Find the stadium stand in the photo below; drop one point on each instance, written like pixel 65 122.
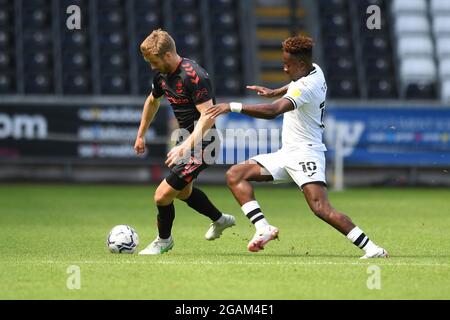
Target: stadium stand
pixel 415 49
pixel 40 55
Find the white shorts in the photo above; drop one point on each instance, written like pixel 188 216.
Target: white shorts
pixel 302 167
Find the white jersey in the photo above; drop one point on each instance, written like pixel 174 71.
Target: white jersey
pixel 303 126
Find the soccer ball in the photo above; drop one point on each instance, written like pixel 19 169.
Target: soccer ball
pixel 122 239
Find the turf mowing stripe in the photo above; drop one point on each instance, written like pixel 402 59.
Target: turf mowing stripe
pixel 241 263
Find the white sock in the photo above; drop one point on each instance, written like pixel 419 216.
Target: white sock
pixel 359 239
pixel 164 240
pixel 221 219
pixel 252 211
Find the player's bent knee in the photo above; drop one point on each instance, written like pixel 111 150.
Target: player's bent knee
pixel 234 175
pixel 162 199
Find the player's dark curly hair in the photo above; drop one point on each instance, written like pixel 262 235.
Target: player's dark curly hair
pixel 299 46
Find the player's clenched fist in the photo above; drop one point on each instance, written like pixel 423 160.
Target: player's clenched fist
pixel 139 146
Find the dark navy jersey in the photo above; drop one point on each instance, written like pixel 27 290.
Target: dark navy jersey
pixel 188 86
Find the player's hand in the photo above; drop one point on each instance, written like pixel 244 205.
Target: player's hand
pixel 139 146
pixel 174 156
pixel 263 91
pixel 216 110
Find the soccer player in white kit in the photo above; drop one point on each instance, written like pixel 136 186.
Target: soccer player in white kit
pixel 301 158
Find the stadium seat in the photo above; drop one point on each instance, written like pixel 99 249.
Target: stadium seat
pixel 421 90
pixel 188 41
pixel 219 5
pixel 445 91
pixel 378 65
pixel 408 6
pixel 415 46
pixel 148 20
pixel 114 61
pixel 438 7
pixel 5 16
pixel 187 21
pixel 417 69
pixel 112 40
pixel 36 18
pixel 341 65
pixel 227 64
pixel 7 83
pixel 6 59
pixel 112 19
pixel 186 4
pixel 77 83
pixel 38 60
pixel 443 47
pixel 147 4
pixel 444 69
pixel 230 85
pixel 5 39
pixel 226 42
pixel 335 23
pixel 382 88
pixel 114 84
pixel 411 23
pixel 75 60
pixel 225 21
pixel 39 83
pixel 341 44
pixel 364 4
pixel 441 25
pixel 38 38
pixel 376 45
pixel 75 40
pixel 332 6
pixel 343 87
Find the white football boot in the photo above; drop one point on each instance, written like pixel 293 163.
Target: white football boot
pixel 377 252
pixel 261 237
pixel 216 228
pixel 158 246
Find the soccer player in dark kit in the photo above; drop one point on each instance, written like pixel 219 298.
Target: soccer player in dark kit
pixel 188 89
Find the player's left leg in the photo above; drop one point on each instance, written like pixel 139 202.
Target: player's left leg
pixel 317 199
pixel 263 168
pixel 163 198
pixel 199 201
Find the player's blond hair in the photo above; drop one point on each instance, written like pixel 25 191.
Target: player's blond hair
pixel 158 43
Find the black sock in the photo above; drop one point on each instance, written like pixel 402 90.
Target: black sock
pixel 200 202
pixel 166 215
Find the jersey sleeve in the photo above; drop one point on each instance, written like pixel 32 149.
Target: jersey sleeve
pixel 298 94
pixel 157 90
pixel 199 87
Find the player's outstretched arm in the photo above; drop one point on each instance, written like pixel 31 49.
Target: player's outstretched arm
pixel 151 106
pixel 269 93
pixel 261 111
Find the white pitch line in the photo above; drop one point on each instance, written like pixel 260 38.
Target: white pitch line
pixel 262 263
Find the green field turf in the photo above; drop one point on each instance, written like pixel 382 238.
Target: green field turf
pixel 45 229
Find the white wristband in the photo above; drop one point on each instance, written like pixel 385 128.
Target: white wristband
pixel 236 107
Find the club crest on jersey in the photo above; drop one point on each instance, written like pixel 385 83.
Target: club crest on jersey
pixel 295 92
pixel 179 86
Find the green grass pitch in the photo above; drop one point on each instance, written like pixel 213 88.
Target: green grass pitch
pixel 45 229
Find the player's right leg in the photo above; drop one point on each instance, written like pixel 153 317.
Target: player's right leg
pixel 163 198
pixel 238 180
